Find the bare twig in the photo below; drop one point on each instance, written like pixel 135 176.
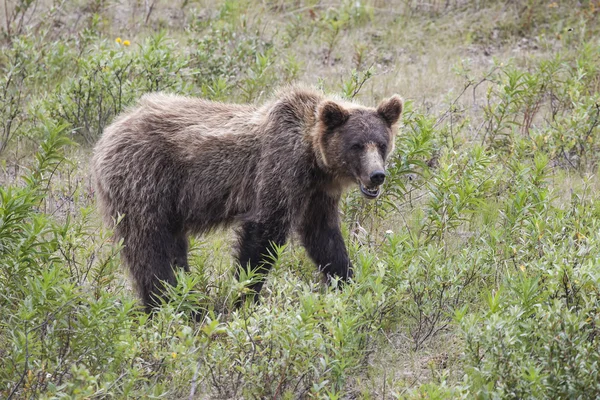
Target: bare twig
pixel 7 20
pixel 196 374
pixel 451 106
pixel 149 9
pixel 27 332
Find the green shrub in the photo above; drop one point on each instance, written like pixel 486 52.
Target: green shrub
pixel 110 76
pixel 475 271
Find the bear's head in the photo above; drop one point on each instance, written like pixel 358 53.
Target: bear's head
pixel 353 142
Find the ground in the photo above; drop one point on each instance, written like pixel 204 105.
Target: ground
pixel 476 270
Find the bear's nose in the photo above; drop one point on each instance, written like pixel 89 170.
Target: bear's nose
pixel 377 177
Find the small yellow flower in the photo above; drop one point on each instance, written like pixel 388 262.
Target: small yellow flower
pixel 126 43
pixel 522 267
pixel 553 5
pixel 174 355
pixel 118 40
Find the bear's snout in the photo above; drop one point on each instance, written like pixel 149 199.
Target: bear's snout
pixel 377 177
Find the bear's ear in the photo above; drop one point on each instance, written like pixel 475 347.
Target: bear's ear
pixel 332 114
pixel 391 109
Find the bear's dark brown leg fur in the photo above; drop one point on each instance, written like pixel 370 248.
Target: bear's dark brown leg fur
pixel 180 252
pixel 321 236
pixel 151 265
pixel 256 250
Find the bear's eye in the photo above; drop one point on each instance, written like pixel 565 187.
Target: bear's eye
pixel 383 147
pixel 356 146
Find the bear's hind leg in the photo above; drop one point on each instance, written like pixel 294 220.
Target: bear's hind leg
pixel 180 252
pixel 256 251
pixel 149 257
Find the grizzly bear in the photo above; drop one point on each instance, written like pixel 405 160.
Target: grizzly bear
pixel 178 166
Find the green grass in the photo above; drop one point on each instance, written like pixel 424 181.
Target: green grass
pixel 476 271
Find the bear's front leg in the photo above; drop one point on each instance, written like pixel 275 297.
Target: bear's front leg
pixel 257 250
pixel 321 236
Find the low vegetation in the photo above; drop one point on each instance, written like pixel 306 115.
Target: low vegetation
pixel 477 271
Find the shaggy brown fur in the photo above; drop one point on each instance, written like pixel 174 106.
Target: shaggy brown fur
pixel 176 166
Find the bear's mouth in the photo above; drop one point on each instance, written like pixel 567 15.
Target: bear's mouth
pixel 370 192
